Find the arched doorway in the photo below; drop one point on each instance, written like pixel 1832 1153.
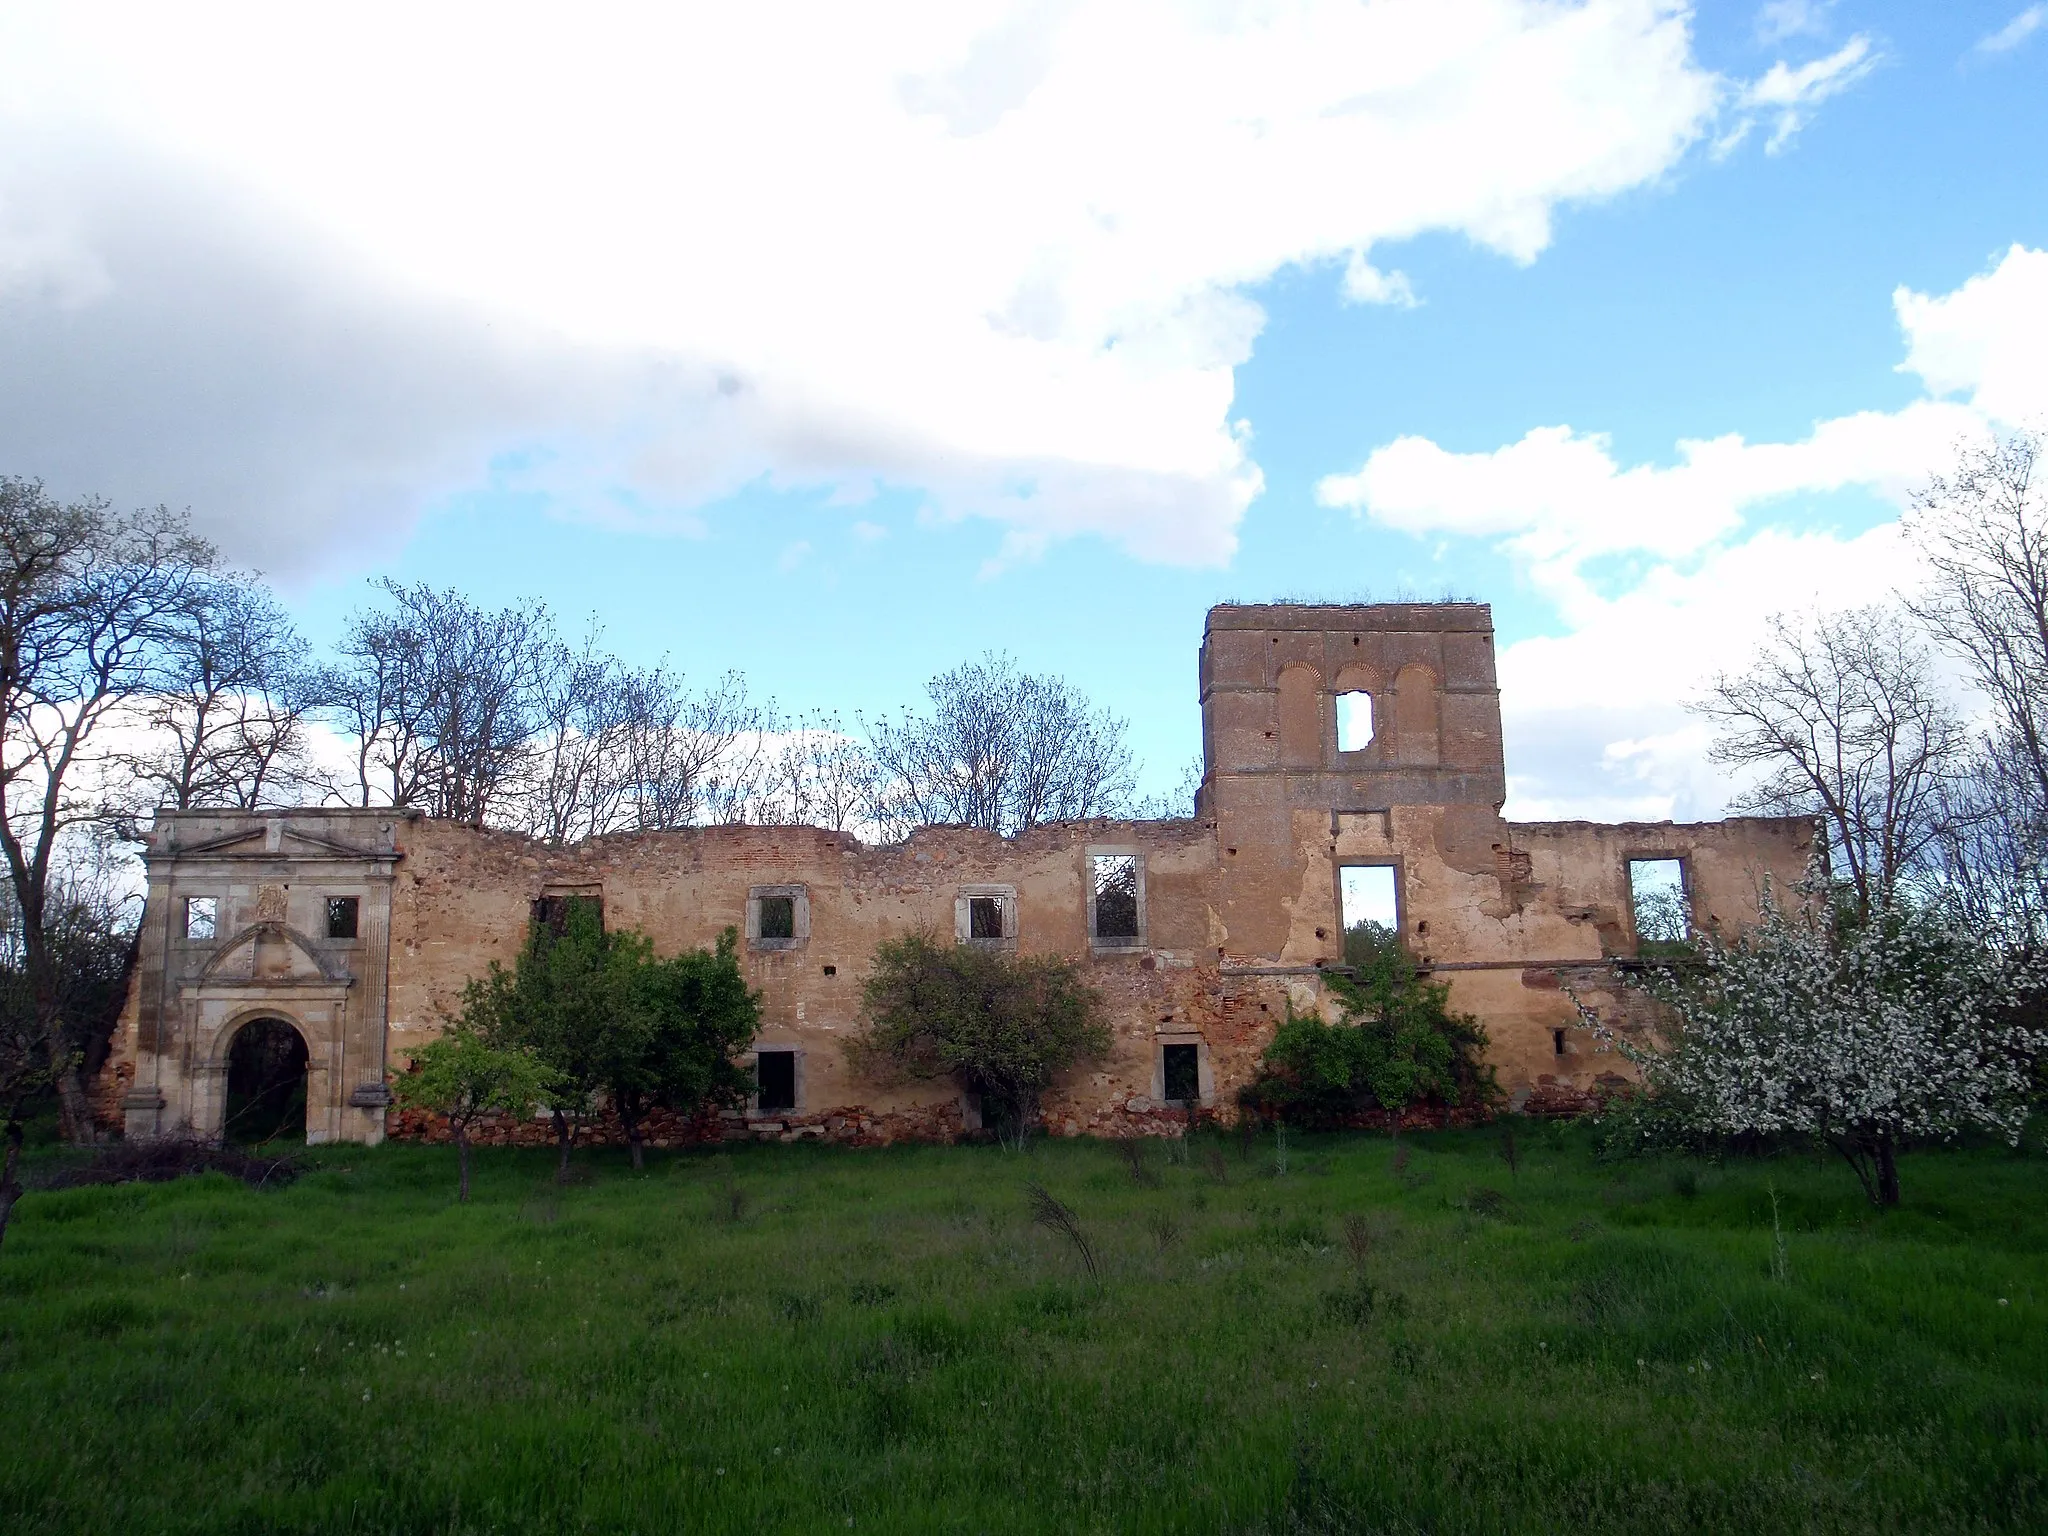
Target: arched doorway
pixel 266 1097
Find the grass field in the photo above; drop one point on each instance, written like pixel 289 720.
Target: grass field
pixel 805 1338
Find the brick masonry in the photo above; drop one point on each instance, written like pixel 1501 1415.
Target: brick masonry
pixel 1240 906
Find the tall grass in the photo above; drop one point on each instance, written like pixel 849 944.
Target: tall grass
pixel 795 1337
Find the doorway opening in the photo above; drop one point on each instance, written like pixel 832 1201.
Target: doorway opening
pixel 266 1084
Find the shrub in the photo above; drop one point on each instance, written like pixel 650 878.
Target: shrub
pixel 1396 1045
pixel 1003 1026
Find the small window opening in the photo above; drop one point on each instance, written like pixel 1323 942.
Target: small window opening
pixel 342 916
pixel 778 917
pixel 775 1074
pixel 1371 912
pixel 1183 1074
pixel 1557 1042
pixel 1354 721
pixel 831 970
pixel 201 916
pixel 1116 897
pixel 984 917
pixel 1662 910
pixel 552 912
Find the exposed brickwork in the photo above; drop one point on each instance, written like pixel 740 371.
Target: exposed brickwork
pixel 1241 905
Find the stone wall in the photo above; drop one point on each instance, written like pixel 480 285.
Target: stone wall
pixel 1241 904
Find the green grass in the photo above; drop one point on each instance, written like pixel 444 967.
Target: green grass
pixel 799 1338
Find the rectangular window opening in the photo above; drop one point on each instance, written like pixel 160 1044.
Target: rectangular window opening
pixel 1183 1074
pixel 201 916
pixel 1661 906
pixel 775 1076
pixel 1557 1042
pixel 778 917
pixel 1354 721
pixel 342 917
pixel 985 917
pixel 1115 877
pixel 1371 912
pixel 552 912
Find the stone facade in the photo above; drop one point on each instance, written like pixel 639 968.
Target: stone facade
pixel 1237 908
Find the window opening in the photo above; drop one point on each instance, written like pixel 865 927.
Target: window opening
pixel 552 912
pixel 778 917
pixel 1354 721
pixel 775 1077
pixel 1557 1041
pixel 1663 913
pixel 1183 1074
pixel 985 917
pixel 1370 908
pixel 201 914
pixel 1116 897
pixel 341 917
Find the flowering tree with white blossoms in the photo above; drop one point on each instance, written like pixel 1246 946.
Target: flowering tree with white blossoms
pixel 1861 1034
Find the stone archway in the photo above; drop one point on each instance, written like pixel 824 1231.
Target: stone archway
pixel 266 1082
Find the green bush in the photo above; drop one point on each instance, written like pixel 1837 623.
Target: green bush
pixel 1397 1045
pixel 1001 1025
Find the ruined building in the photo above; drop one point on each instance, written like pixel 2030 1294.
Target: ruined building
pixel 1350 753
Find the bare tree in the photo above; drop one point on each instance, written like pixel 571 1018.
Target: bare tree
pixel 1843 716
pixel 88 939
pixel 826 778
pixel 226 722
pixel 88 597
pixel 1000 749
pixel 443 698
pixel 1983 534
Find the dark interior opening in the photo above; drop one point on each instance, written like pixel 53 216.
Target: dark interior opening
pixel 266 1084
pixel 775 1071
pixel 984 917
pixel 1116 897
pixel 341 917
pixel 778 917
pixel 1557 1041
pixel 552 912
pixel 1183 1074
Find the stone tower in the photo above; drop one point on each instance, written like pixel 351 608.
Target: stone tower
pixel 1279 782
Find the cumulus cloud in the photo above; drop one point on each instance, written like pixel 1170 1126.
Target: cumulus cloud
pixel 309 270
pixel 1594 717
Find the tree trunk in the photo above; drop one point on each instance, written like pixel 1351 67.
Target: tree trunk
pixel 462 1157
pixel 633 1140
pixel 562 1142
pixel 10 1187
pixel 1887 1172
pixel 74 1104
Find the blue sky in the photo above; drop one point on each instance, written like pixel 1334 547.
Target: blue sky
pixel 1734 272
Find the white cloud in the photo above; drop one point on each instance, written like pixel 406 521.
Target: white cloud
pixel 1780 19
pixel 1987 340
pixel 309 270
pixel 1593 713
pixel 1786 96
pixel 2016 31
pixel 1365 283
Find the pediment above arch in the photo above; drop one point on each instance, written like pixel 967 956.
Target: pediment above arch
pixel 270 952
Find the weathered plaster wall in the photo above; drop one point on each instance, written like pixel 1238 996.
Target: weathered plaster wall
pixel 1241 902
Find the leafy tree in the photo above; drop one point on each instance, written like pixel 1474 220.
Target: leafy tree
pixel 463 1075
pixel 1860 1033
pixel 670 1040
pixel 1001 1025
pixel 1397 1044
pixel 610 1019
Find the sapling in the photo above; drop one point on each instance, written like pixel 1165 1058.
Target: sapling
pixel 463 1076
